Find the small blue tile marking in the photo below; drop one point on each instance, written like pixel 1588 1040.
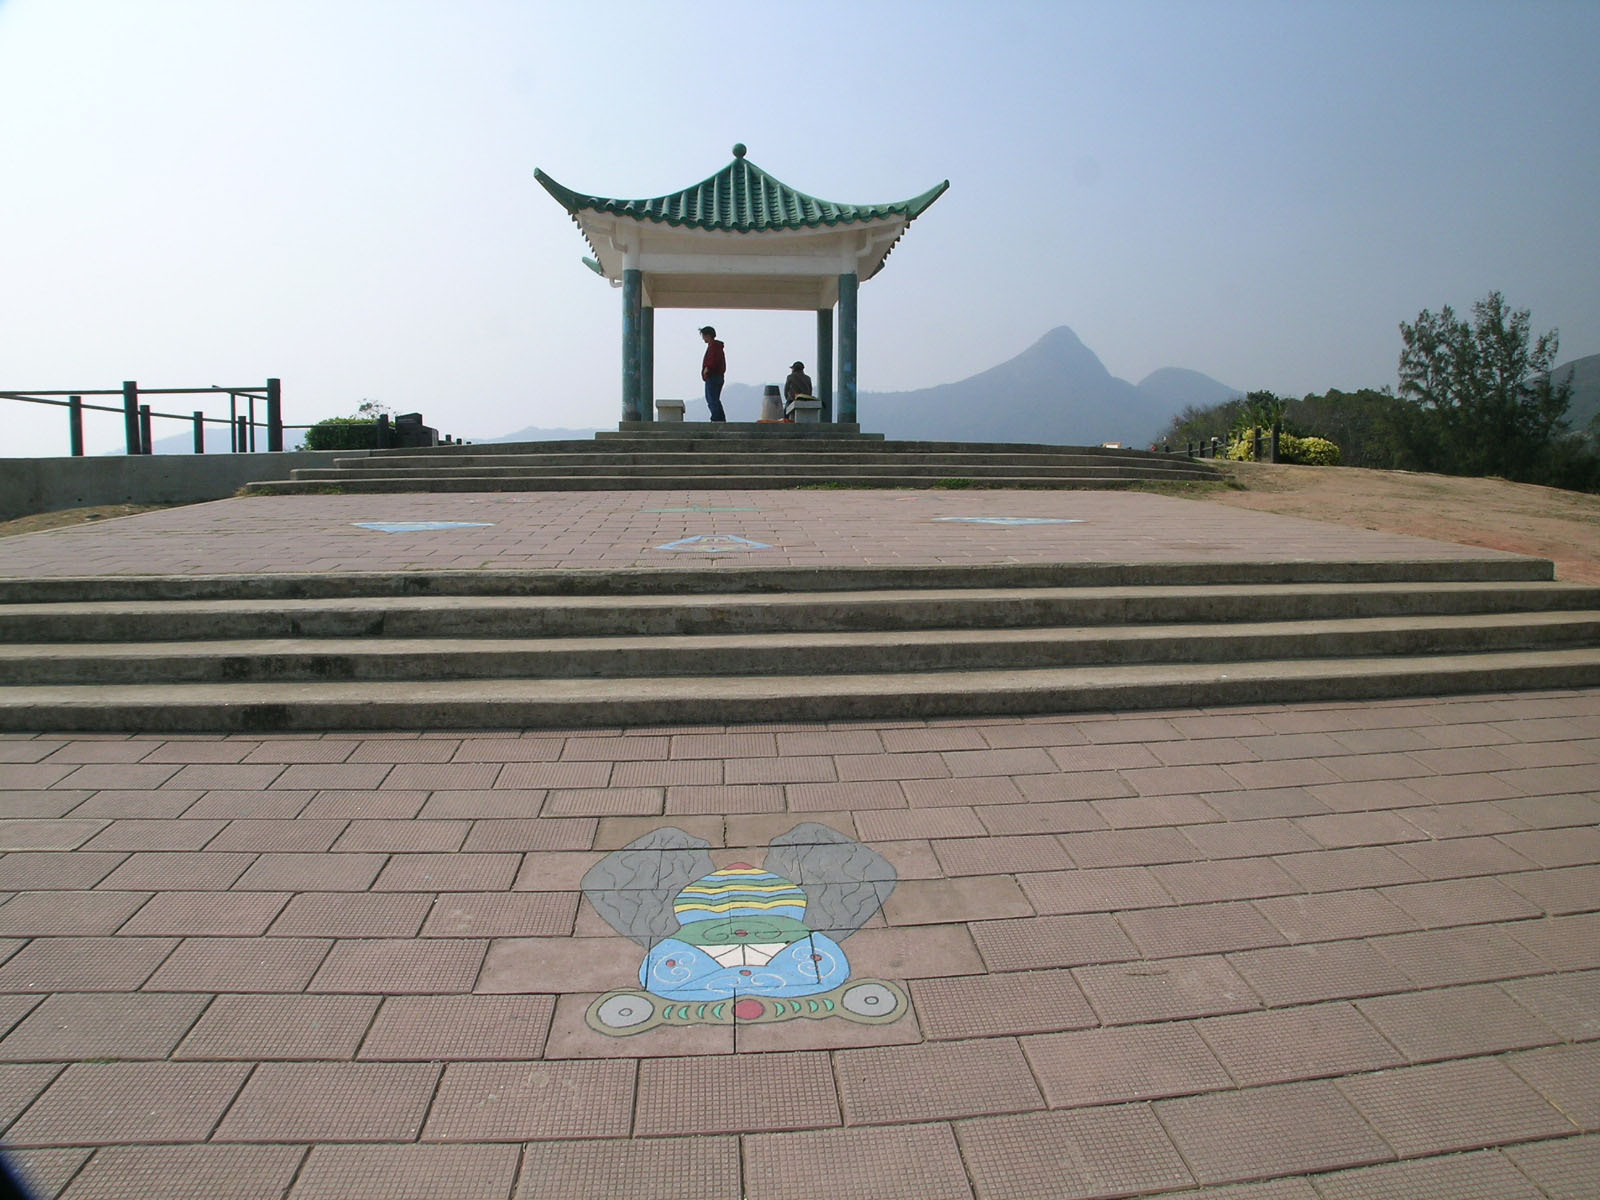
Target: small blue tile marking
pixel 714 543
pixel 1015 520
pixel 418 526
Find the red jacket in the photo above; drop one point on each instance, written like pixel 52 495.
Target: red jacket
pixel 715 362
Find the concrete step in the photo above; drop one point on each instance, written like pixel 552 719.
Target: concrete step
pixel 734 613
pixel 679 459
pixel 777 474
pixel 795 654
pixel 521 703
pixel 721 576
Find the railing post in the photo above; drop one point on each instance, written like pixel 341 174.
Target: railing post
pixel 252 425
pixel 1277 431
pixel 383 431
pixel 145 445
pixel 233 423
pixel 75 425
pixel 199 432
pixel 1255 442
pixel 274 416
pixel 240 435
pixel 130 414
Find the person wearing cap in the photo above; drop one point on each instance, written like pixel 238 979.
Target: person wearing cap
pixel 798 384
pixel 713 369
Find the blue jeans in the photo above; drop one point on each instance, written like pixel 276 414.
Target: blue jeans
pixel 714 398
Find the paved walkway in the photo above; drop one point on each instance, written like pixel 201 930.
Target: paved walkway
pixel 1293 952
pixel 542 530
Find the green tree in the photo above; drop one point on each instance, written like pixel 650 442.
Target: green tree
pixel 1481 391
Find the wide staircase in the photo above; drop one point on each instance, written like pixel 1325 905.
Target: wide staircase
pixel 491 649
pixel 678 455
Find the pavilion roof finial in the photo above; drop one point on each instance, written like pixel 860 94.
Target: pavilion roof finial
pixel 738 150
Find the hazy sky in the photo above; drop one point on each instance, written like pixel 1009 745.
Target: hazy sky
pixel 341 192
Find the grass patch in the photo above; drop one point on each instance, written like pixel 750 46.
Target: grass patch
pixel 954 483
pixel 67 517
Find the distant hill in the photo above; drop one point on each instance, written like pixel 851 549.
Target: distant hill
pixel 1585 376
pixel 1056 391
pixel 534 434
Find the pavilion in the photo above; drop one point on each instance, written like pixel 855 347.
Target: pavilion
pixel 740 239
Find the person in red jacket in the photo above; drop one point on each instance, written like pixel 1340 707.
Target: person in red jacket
pixel 713 369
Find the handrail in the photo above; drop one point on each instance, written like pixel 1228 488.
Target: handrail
pixel 137 417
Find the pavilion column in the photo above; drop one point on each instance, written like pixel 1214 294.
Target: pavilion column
pixel 632 322
pixel 847 348
pixel 647 364
pixel 825 362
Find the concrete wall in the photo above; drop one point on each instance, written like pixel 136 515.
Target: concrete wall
pixel 35 485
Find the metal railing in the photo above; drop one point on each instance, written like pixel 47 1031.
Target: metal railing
pixel 136 417
pixel 1264 444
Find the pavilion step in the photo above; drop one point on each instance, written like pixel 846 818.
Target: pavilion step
pixel 80 618
pixel 776 473
pixel 793 654
pixel 678 460
pixel 520 703
pixel 633 482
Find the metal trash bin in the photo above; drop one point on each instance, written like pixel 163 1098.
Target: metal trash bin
pixel 772 403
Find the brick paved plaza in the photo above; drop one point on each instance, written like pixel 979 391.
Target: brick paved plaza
pixel 1332 951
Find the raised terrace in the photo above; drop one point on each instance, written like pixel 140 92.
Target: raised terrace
pixel 725 841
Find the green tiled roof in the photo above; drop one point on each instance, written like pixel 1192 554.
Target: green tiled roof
pixel 741 198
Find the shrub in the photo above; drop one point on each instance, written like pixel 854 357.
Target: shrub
pixel 1312 451
pixel 343 433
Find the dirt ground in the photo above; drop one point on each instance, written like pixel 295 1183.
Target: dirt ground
pixel 72 516
pixel 1561 526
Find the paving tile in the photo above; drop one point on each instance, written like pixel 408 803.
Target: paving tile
pixel 1455 1022
pixel 425 1172
pixel 96 776
pixel 508 749
pixel 1452 1106
pixel 1472 954
pixel 897 1084
pixel 1306 1042
pixel 724 798
pixel 849 797
pixel 30 870
pixel 238 964
pixel 316 776
pixel 540 834
pixel 1553 812
pixel 432 1028
pixel 1458 1177
pixel 1330 916
pixel 183 834
pixel 1564 943
pixel 978 1006
pixel 448 873
pixel 331 1101
pixel 83 964
pixel 1460 902
pixel 1564 1075
pixel 187 1173
pixel 402 837
pixel 1563 1170
pixel 441 750
pixel 1560 889
pixel 1248 838
pixel 1556 847
pixel 856 767
pixel 881 825
pixel 1070 1155
pixel 99 1103
pixel 1111 1066
pixel 1230 879
pixel 755 1093
pixel 251 805
pixel 519 1101
pixel 913 951
pixel 502 914
pixel 813 769
pixel 1046 816
pixel 165 804
pixel 13 1009
pixel 353 914
pixel 554 870
pixel 985 855
pixel 1198 929
pixel 1340 830
pixel 1128 847
pixel 289 872
pixel 1128 993
pixel 1296 1127
pixel 1356 867
pixel 230 776
pixel 1136 812
pixel 1080 785
pixel 1267 804
pixel 301 750
pixel 401 967
pixel 20 1083
pixel 178 869
pixel 919 1162
pixel 44 834
pixel 558 964
pixel 255 1028
pixel 356 804
pixel 525 775
pixel 688 772
pixel 939 901
pixel 1088 891
pixel 702 1168
pixel 1057 941
pixel 604 802
pixel 101 1026
pixel 571 1038
pixel 1568 1004
pixel 47 1172
pixel 612 833
pixel 206 914
pixel 507 803
pixel 80 914
pixel 1319 971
